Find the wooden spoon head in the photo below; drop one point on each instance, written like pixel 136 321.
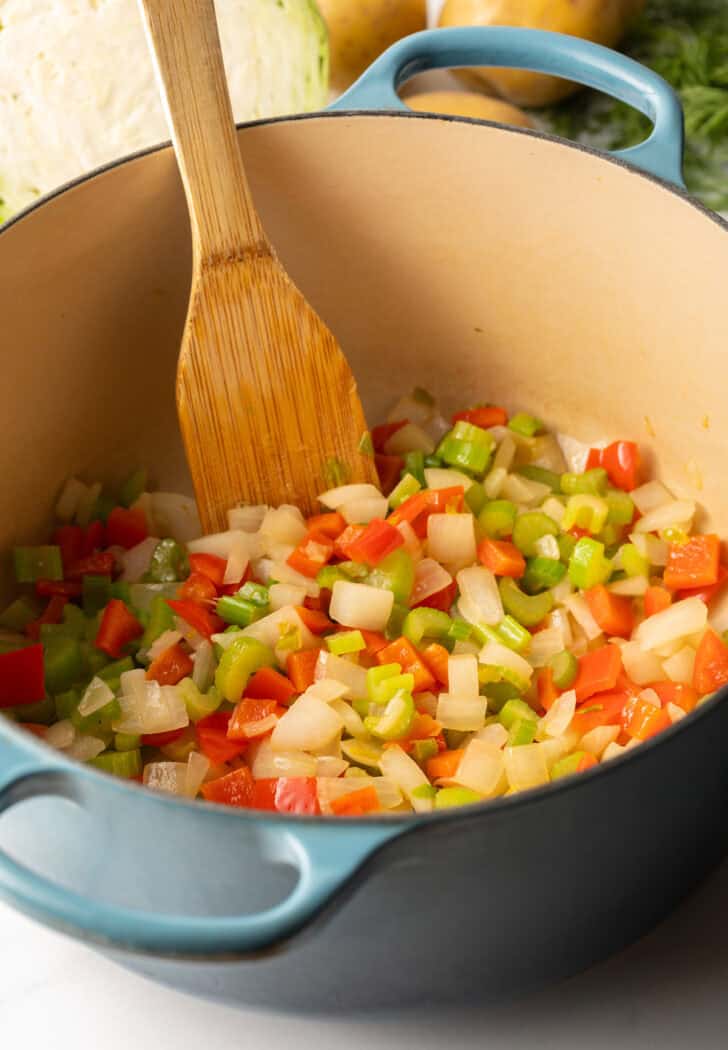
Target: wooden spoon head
pixel 267 402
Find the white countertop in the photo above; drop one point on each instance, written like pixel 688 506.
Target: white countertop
pixel 669 992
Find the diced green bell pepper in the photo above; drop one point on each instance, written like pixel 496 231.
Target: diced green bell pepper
pixel 66 703
pixel 42 713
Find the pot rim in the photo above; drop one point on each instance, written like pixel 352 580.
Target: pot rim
pixel 407 822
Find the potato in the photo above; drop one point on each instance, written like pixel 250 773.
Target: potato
pixel 603 21
pixel 469 104
pixel 359 30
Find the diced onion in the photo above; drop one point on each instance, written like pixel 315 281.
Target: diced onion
pixel 328 689
pixel 249 519
pixel 97 695
pixel 307 725
pixel 631 587
pixel 329 766
pixel 678 621
pixel 679 668
pixel 193 638
pixel 650 547
pixel 558 718
pixel 575 452
pixel 613 750
pixel 418 405
pixel 641 665
pixel 545 451
pixel 597 740
pixel 544 645
pixel 482 769
pixel 494 482
pixel 650 496
pixel 579 609
pixel 462 676
pixel 172 514
pixel 465 715
pixel 677 514
pixel 344 673
pixel 165 641
pixel 359 605
pixel 427 703
pixel 284 524
pixel 237 561
pixel 409 438
pixel 362 511
pixel 525 766
pixel 135 561
pixel 554 509
pixel 524 491
pixel 267 762
pixel 168 777
pixel 649 696
pixel 411 541
pixel 451 539
pixel 563 590
pixel 283 573
pixel 61 734
pixel 147 707
pixel 195 773
pixel 407 775
pixel 352 721
pixel 71 495
pixel 495 735
pixel 444 478
pixel 331 788
pixel 480 600
pixel 547 547
pixel 87 502
pixel 675 712
pixel 335 498
pixel 85 748
pixel 493 654
pixel 282 594
pixel 221 544
pixel 554 750
pixel 559 619
pixel 268 629
pixel 430 577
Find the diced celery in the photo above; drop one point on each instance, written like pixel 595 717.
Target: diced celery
pixel 42 713
pixel 37 563
pixel 168 562
pixel 587 512
pixel 425 623
pixel 393 628
pixel 564 667
pixel 433 461
pixel 568 765
pixel 414 464
pixel 235 610
pixel 20 613
pixel 405 488
pixel 198 704
pixel 126 764
pixel 515 711
pixel 424 790
pixel 345 642
pixel 133 487
pixel 112 672
pixel 63 663
pixel 593 482
pixel 633 563
pixel 540 474
pixel 362 752
pixel 566 544
pixel 529 528
pixel 66 703
pixel 510 632
pixel 256 593
pixel 467 447
pixel 476 498
pixel 459 631
pixel 497 518
pixel 366 446
pixel 542 574
pixel 527 426
pixel 587 565
pixel 449 797
pixel 241 658
pixel 424 749
pixel 522 732
pixel 528 610
pixel 161 619
pixel 397 717
pixel 395 573
pixel 99 722
pixel 499 693
pixel 385 680
pixel 621 507
pixel 126 741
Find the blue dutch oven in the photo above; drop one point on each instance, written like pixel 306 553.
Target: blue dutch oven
pixel 477 260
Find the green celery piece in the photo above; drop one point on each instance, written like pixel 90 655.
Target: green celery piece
pixel 459 631
pixel 591 482
pixel 37 563
pixel 386 680
pixel 161 619
pixel 407 486
pixel 42 713
pixel 356 771
pixel 542 574
pixel 587 565
pixel 168 563
pixel 327 577
pixel 522 732
pixel 345 642
pixel 396 573
pixel 467 447
pixel 92 627
pixel 424 749
pixel 527 426
pixel 115 670
pixel 255 593
pixel 566 544
pixel 235 610
pixel 125 764
pixel 428 791
pixel 74 620
pixel 564 668
pixel 395 623
pixel 98 723
pixel 455 738
pixel 531 527
pixel 126 741
pixel 633 562
pixel 588 512
pixel 121 590
pixel 414 464
pixel 102 507
pixel 497 518
pixel 63 663
pixel 499 693
pixel 449 797
pixel 241 658
pixel 528 610
pixel 425 623
pixel 540 474
pixel 568 765
pixel 335 473
pixel 621 507
pixel 476 498
pixel 396 719
pixel 514 711
pixel 510 632
pixel 66 703
pixel 198 704
pixel 133 487
pixel 96 593
pixel 433 461
pixel 363 752
pixel 21 612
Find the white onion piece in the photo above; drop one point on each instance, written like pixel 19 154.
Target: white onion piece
pixel 493 654
pixel 544 645
pixel 362 511
pixel 283 573
pixel 403 771
pixel 482 769
pixel 332 788
pixel 678 621
pixel 558 718
pixel 451 539
pixel 494 735
pixel 172 514
pixel 650 496
pixel 597 740
pixel 679 668
pixel 249 518
pixel 359 605
pixel 97 695
pixel 193 638
pixel 411 541
pixel 493 483
pixel 267 762
pixel 650 697
pixel 677 514
pixel 351 720
pixel 559 620
pixel 613 750
pixel 85 748
pixel 307 725
pixel 675 712
pixel 282 594
pixel 168 777
pixel 641 666
pixel 329 766
pixel 284 524
pixel 506 452
pixel 430 577
pixel 71 495
pixel 631 587
pixel 237 561
pixel 147 707
pixel 418 405
pixel 87 502
pixel 329 689
pixel 465 648
pixel 61 734
pixel 579 609
pixel 464 715
pixel 195 773
pixel 268 629
pixel 446 478
pixel 555 510
pixel 650 547
pixel 575 453
pixel 548 547
pixel 165 641
pixel 563 590
pixel 554 750
pixel 526 767
pixel 462 676
pixel 335 498
pixel 502 463
pixel 409 438
pixel 135 561
pixel 545 452
pixel 522 490
pixel 438 426
pixel 221 543
pixel 347 675
pixel 480 600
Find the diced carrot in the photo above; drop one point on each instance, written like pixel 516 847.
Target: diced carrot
pixel 657 599
pixel 502 557
pixel 693 563
pixel 613 612
pixel 706 594
pixel 444 765
pixel 435 657
pixel 403 652
pixel 642 720
pixel 234 789
pixel 675 693
pixel 598 671
pixel 251 719
pixel 171 666
pixel 381 434
pixel 347 537
pixel 356 803
pixel 483 416
pixel 586 761
pixel 331 524
pixel 312 553
pixel 424 727
pixel 711 664
pixel 300 668
pixel 269 684
pixel 373 639
pixel 547 691
pixel 602 710
pixel 316 621
pixel 389 469
pixel 209 565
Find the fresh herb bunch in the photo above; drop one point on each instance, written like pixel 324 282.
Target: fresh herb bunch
pixel 686 42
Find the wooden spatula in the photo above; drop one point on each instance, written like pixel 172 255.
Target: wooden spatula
pixel 267 404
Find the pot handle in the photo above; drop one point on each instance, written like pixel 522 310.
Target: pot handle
pixel 327 857
pixel 534 49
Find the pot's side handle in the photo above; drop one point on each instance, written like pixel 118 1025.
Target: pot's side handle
pixel 327 856
pixel 542 52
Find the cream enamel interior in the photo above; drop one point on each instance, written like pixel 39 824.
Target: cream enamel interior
pixel 477 261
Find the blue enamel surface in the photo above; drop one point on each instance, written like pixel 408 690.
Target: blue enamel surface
pixel 566 56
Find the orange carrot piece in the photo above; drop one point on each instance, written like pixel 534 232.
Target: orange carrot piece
pixel 711 664
pixel 657 599
pixel 547 691
pixel 613 612
pixel 356 803
pixel 598 671
pixel 435 657
pixel 403 652
pixel 678 693
pixel 642 720
pixel 444 765
pixel 502 557
pixel 694 563
pixel 300 668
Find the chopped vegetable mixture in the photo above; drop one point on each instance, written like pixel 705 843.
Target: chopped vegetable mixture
pixel 509 609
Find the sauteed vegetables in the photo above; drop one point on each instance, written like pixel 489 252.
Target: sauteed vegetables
pixel 508 609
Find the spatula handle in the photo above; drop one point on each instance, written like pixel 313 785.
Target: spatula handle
pixel 185 45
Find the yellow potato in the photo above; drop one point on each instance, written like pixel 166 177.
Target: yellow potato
pixel 469 104
pixel 359 30
pixel 603 21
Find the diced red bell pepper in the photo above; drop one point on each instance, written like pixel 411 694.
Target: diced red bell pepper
pixel 441 599
pixel 605 709
pixel 212 739
pixel 234 789
pixel 389 469
pixel 501 557
pixel 197 616
pixel 70 539
pixel 316 621
pixel 678 693
pixel 209 565
pixel 269 684
pixel 622 462
pixel 22 677
pixel 171 666
pixel 706 594
pixel 483 416
pixel 251 719
pixel 300 668
pixel 598 671
pixel 344 541
pixel 694 563
pixel 66 588
pixel 126 526
pixel 657 599
pixel 94 538
pixel 53 613
pixel 417 509
pixel 403 652
pixel 356 803
pixel 377 541
pixel 198 588
pixel 435 657
pixel 613 612
pixel 331 524
pixel 642 720
pixel 118 627
pixel 382 433
pixel 161 739
pixel 99 564
pixel 711 664
pixel 313 552
pixel 35 728
pixel 546 688
pixel 286 795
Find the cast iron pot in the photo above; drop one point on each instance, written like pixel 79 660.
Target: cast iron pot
pixel 481 262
